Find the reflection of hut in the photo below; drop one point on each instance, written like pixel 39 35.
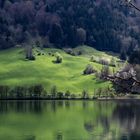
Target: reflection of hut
pixel 89 127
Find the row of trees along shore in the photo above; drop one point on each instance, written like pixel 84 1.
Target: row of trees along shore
pixel 38 92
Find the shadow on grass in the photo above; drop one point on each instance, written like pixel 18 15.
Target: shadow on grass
pixel 55 62
pixel 98 81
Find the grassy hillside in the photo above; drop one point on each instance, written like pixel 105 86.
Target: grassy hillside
pixel 15 70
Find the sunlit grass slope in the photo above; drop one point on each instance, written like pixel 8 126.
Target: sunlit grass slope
pixel 15 70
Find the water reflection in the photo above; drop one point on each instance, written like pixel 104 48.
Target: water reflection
pixel 21 106
pixel 128 116
pixel 59 136
pixel 70 120
pixel 89 126
pixel 30 138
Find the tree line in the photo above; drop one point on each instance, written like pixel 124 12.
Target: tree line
pixel 38 92
pixel 103 24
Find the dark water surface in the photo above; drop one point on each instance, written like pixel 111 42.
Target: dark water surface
pixel 69 120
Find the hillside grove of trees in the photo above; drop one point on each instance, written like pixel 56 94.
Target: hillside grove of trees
pixel 103 24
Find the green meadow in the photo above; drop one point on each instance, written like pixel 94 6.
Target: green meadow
pixel 15 70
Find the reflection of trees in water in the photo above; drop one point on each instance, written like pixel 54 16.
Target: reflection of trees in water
pixel 53 106
pixel 89 126
pixel 56 104
pixel 125 116
pixel 85 104
pixel 128 116
pixel 102 119
pixel 67 104
pixel 60 104
pixel 36 106
pixel 59 136
pixel 105 121
pixel 3 107
pixel 132 136
pixel 32 106
pixel 30 138
pixel 22 106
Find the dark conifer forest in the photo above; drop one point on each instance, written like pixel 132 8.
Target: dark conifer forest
pixel 103 24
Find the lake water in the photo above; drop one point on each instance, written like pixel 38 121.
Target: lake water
pixel 69 120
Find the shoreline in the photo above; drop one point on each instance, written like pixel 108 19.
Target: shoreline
pixel 125 98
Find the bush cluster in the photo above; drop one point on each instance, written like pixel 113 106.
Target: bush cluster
pixel 103 61
pixel 58 57
pixel 89 70
pixel 72 52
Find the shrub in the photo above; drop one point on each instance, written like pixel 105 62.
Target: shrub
pixel 98 92
pixel 39 54
pixel 4 91
pixel 73 96
pixel 105 71
pixel 53 91
pixel 113 62
pixel 67 94
pixel 20 91
pixel 29 53
pixel 89 70
pixel 103 62
pixel 93 59
pixel 79 53
pixel 68 51
pixel 50 53
pixel 36 90
pixel 60 95
pixel 59 58
pixel 97 75
pixel 32 58
pixel 85 94
pixel 73 52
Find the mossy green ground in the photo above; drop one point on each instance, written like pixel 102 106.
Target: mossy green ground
pixel 15 70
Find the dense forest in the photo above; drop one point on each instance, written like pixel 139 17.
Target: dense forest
pixel 103 24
